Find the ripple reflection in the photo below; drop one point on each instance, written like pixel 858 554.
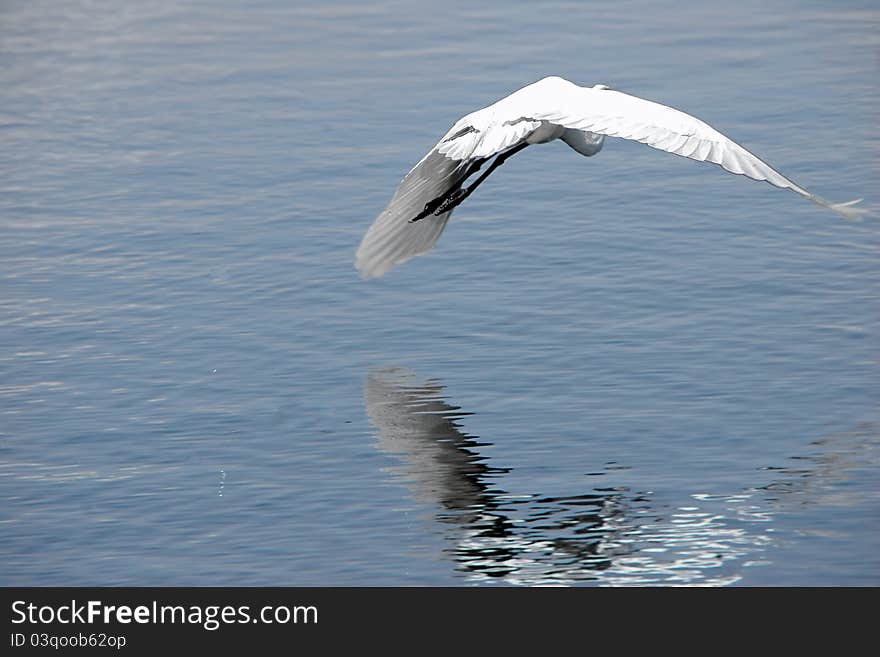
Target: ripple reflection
pixel 610 536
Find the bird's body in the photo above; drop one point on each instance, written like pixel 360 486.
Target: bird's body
pixel 550 109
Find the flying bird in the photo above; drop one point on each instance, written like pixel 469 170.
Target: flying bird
pixel 552 108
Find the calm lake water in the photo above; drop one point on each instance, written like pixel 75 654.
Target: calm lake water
pixel 629 369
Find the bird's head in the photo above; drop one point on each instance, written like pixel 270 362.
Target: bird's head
pixel 601 86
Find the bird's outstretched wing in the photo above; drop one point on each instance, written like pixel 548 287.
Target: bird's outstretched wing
pixel 393 238
pixel 616 114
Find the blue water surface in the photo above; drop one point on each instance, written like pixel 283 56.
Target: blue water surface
pixel 628 369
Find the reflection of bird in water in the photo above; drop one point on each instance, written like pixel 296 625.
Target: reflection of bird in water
pixel 609 535
pixel 420 428
pixel 529 539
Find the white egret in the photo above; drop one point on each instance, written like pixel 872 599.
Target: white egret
pixel 552 108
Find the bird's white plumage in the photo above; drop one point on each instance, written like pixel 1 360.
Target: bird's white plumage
pixel 549 109
pixel 392 239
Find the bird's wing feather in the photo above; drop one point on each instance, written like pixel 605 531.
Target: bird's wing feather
pixel 392 238
pixel 617 114
pixel 493 139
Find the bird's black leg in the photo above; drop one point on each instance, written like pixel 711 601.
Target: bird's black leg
pixel 431 206
pixel 455 197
